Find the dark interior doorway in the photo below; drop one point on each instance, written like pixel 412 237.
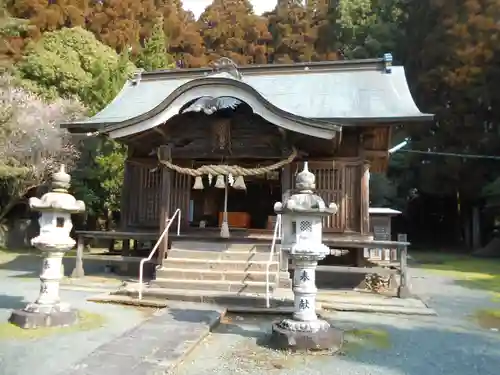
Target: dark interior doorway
pixel 257 201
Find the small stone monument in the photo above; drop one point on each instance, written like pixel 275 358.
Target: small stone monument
pixel 54 240
pixel 302 217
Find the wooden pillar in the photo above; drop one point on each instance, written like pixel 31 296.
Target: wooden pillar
pixel 125 197
pixel 166 189
pixel 78 271
pixel 365 198
pixel 404 287
pixel 286 179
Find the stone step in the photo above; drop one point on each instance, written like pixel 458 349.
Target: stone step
pixel 199 245
pixel 260 248
pixel 203 274
pixel 237 287
pixel 206 296
pixel 221 255
pixel 222 246
pixel 219 265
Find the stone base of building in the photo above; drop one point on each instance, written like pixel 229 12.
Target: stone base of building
pixel 296 335
pixel 32 318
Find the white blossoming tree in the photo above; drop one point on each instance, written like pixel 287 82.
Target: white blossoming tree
pixel 31 143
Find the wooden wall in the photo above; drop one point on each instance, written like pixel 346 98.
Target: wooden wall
pixel 142 205
pixel 338 181
pixel 342 178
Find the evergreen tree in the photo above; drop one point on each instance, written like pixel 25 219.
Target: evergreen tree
pixel 324 18
pixel 69 63
pixel 12 34
pixel 51 15
pixel 154 55
pixel 292 33
pixel 181 31
pixel 452 58
pixel 370 28
pixel 230 28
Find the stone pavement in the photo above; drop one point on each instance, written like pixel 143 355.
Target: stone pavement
pixel 154 347
pixel 128 340
pixel 377 344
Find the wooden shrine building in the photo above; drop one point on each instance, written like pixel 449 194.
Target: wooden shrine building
pixel 255 125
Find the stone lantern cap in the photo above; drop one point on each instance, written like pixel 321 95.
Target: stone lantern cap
pixel 58 199
pixel 306 201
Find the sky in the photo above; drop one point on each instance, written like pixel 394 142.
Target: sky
pixel 198 6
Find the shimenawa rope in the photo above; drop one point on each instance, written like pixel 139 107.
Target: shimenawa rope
pixel 234 170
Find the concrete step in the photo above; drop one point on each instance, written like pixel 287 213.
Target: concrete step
pixel 199 245
pixel 237 287
pixel 260 248
pixel 219 265
pixel 206 296
pixel 221 255
pixel 222 246
pixel 203 274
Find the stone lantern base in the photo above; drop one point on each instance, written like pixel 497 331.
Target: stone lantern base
pixel 38 316
pixel 298 335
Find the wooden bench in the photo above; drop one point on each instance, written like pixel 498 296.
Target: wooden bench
pixel 112 236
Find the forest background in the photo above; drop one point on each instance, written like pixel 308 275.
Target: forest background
pixel 62 59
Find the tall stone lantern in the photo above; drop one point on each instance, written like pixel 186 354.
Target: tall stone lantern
pixel 302 217
pixel 54 240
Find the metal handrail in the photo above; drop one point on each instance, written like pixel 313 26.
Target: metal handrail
pixel 157 245
pixel 276 236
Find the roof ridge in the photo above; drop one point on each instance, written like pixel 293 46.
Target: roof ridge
pixel 361 64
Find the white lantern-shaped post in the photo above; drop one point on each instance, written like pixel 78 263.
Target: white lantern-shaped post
pixel 54 240
pixel 302 216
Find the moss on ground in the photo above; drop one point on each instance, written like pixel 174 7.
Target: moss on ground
pixel 488 318
pixel 474 273
pixel 87 321
pixel 369 338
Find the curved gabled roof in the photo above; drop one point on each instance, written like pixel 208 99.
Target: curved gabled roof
pixel 312 96
pixel 219 85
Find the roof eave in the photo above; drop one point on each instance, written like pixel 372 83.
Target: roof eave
pixel 81 127
pixel 380 121
pixel 335 123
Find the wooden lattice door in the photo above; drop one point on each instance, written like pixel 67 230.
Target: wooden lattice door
pixel 339 182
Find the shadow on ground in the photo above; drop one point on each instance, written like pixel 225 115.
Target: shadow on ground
pixel 402 347
pixel 451 351
pixel 27 266
pixel 11 302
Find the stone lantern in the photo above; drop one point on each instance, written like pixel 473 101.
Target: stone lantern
pixel 302 217
pixel 54 240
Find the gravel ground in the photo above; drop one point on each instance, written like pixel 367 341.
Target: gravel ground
pixel 51 354
pixel 451 343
